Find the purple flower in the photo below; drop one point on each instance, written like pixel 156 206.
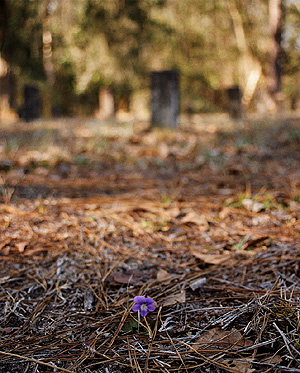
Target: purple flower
pixel 143 304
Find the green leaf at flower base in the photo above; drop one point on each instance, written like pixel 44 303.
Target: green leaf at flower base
pixel 129 326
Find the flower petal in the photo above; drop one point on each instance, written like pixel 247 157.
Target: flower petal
pixel 144 313
pixel 136 307
pixel 151 307
pixel 149 300
pixel 139 299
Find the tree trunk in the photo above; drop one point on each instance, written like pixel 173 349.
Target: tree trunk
pixel 249 66
pixel 106 104
pixel 7 79
pixel 48 66
pixel 235 107
pixel 275 71
pixel 3 16
pixel 32 103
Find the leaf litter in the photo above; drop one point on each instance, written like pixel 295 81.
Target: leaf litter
pixel 203 219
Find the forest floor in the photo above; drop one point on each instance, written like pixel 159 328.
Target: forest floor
pixel 203 219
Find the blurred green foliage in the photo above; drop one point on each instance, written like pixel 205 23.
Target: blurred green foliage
pixel 116 43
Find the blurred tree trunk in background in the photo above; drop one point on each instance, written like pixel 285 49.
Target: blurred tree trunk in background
pixel 7 86
pixel 2 23
pixel 31 108
pixel 275 72
pixel 48 60
pixel 235 107
pixel 106 104
pixel 250 68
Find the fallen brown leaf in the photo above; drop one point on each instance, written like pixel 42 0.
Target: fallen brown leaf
pixel 133 277
pixel 273 360
pixel 197 219
pixel 4 243
pixel 220 338
pixel 212 258
pixel 242 365
pixel 174 299
pixel 21 246
pixel 163 276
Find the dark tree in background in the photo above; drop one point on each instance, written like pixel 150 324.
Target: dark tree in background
pixel 2 23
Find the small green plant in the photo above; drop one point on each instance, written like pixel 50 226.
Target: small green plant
pixel 12 145
pixel 286 312
pixel 154 225
pixel 236 202
pixel 130 326
pixel 147 225
pixel 44 163
pixel 41 205
pixel 166 200
pixel 83 160
pixel 294 135
pixel 267 200
pixel 239 245
pixel 6 191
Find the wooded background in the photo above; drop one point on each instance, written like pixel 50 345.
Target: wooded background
pixel 77 51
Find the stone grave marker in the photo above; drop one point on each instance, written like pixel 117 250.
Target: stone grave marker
pixel 165 98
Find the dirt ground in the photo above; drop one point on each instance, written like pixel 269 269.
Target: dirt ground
pixel 203 219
